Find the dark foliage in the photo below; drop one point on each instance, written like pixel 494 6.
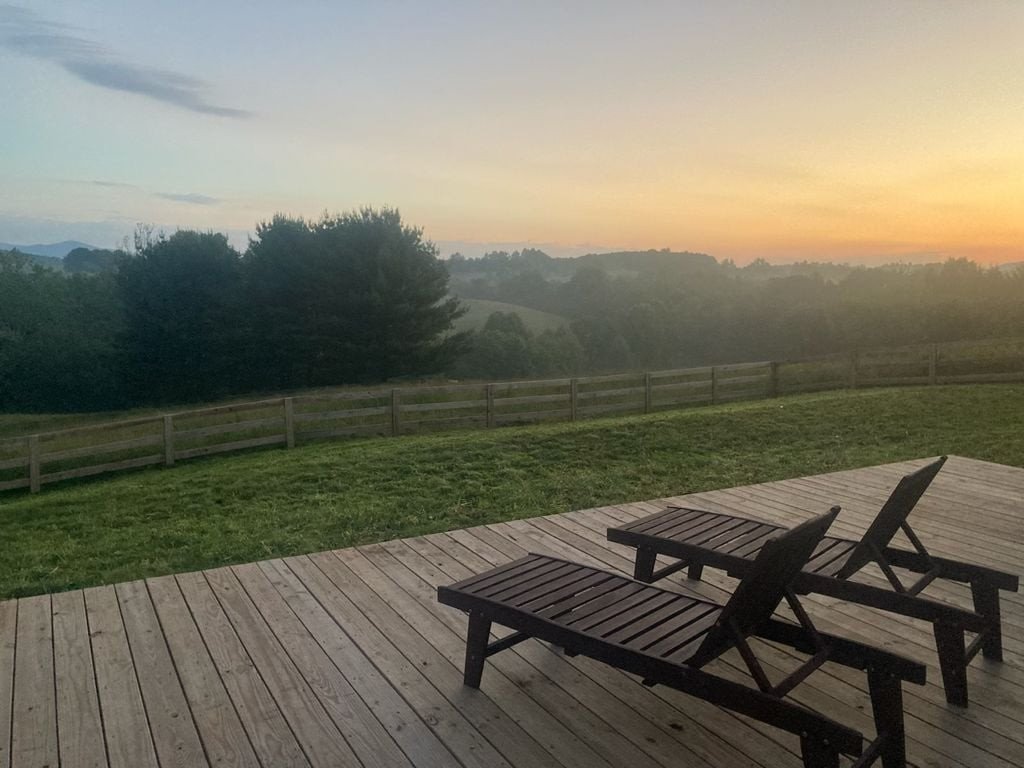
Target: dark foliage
pixel 181 339
pixel 92 260
pixel 57 339
pixel 353 298
pixel 655 309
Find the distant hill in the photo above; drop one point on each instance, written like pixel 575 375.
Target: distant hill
pixel 480 309
pixel 501 264
pixel 643 261
pixel 1012 266
pixel 51 250
pixel 50 262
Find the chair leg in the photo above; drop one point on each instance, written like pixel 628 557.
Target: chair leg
pixel 476 648
pixel 986 603
pixel 949 642
pixel 695 571
pixel 887 709
pixel 817 754
pixel 643 569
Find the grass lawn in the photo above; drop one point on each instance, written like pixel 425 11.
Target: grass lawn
pixel 272 503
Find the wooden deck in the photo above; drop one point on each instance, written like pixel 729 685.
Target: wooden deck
pixel 346 659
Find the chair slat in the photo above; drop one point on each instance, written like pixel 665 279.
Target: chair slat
pixel 675 622
pixel 585 607
pixel 566 581
pixel 646 522
pixel 687 516
pixel 541 576
pixel 836 557
pixel 585 622
pixel 758 533
pixel 681 531
pixel 632 615
pixel 680 649
pixel 725 538
pixel 592 584
pixel 499 573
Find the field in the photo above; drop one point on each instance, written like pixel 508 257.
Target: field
pixel 265 504
pixel 42 449
pixel 535 320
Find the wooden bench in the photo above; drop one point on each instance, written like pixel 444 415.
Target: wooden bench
pixel 697 538
pixel 668 639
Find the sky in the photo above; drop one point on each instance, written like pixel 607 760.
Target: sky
pixel 865 132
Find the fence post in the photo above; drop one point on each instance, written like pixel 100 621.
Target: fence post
pixel 647 393
pixel 289 421
pixel 714 385
pixel 168 440
pixel 573 397
pixel 396 412
pixel 853 370
pixel 489 395
pixel 773 379
pixel 933 365
pixel 33 464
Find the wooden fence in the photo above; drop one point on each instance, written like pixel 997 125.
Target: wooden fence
pixel 36 460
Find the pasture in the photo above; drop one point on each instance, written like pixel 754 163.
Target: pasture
pixel 256 505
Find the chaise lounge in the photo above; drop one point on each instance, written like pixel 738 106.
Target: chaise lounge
pixel 668 639
pixel 697 538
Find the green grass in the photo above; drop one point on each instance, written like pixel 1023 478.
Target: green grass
pixel 271 503
pixel 535 320
pixel 14 424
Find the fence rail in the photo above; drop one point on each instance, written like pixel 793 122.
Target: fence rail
pixel 35 460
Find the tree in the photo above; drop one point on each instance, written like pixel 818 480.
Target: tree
pixel 57 339
pixel 495 354
pixel 349 298
pixel 180 296
pixel 557 353
pixel 507 322
pixel 92 261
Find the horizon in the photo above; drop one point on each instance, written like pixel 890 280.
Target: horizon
pixel 812 132
pixel 479 250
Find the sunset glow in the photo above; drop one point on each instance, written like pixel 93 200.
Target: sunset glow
pixel 866 132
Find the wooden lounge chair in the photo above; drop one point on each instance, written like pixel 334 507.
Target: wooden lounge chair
pixel 697 538
pixel 668 638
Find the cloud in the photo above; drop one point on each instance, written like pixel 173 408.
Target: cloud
pixel 191 197
pixel 27 33
pixel 194 198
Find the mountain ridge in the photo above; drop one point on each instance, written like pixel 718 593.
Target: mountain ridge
pixel 50 250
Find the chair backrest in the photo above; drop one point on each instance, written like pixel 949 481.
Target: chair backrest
pixel 764 586
pixel 893 514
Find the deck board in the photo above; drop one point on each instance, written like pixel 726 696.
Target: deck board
pixel 80 728
pixel 220 729
pixel 8 628
pixel 34 727
pixel 125 725
pixel 346 658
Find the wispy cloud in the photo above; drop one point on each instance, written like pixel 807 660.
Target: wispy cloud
pixel 191 197
pixel 26 32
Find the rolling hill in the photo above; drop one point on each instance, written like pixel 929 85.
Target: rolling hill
pixel 49 250
pixel 534 319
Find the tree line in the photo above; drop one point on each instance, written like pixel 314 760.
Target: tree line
pixel 362 297
pixel 351 298
pixel 657 309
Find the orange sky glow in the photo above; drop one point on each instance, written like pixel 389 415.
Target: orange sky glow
pixel 866 132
